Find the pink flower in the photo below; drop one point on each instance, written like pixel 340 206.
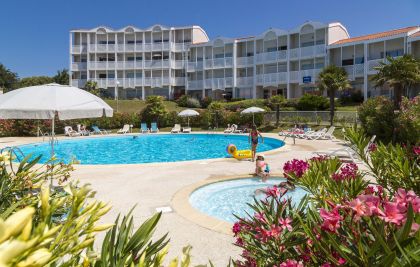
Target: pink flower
pixel 319 158
pixel 393 213
pixel 416 150
pixel 260 216
pixel 295 167
pixel 275 231
pixel 348 171
pixel 291 263
pixel 236 229
pixel 331 220
pixel 358 206
pixel 285 224
pixel 372 147
pixel 239 241
pixel 327 264
pixel 371 203
pixel 403 197
pixel 272 192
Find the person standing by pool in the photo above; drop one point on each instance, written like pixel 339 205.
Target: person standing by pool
pixel 253 139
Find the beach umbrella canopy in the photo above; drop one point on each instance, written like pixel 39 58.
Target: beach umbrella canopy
pixel 50 100
pixel 252 110
pixel 188 113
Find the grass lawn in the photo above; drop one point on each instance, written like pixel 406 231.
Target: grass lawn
pixel 134 106
pixel 348 108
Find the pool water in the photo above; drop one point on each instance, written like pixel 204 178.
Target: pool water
pixel 130 149
pixel 223 199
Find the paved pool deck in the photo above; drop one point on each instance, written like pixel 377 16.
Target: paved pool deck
pixel 154 185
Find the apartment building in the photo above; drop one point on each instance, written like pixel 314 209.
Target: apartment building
pixel 135 63
pixel 132 62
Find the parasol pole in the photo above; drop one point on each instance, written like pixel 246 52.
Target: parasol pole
pixel 52 136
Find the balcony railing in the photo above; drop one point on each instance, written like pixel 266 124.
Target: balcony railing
pixel 244 61
pixel 272 78
pixel 178 47
pixel 178 64
pixel 79 66
pixel 156 81
pixel 372 64
pixel 178 81
pixel 156 64
pixel 196 84
pixel 293 76
pixel 79 83
pixel 244 81
pixel 77 49
pixel 219 83
pixel 294 53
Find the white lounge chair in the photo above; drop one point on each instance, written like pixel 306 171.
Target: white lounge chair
pixel 315 135
pixel 82 132
pixel 68 130
pixel 97 130
pixel 125 129
pixel 229 129
pixel 235 129
pixel 176 129
pixel 346 152
pixel 186 130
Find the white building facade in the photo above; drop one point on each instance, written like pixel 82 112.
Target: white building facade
pixel 135 63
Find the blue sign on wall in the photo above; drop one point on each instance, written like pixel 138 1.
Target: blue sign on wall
pixel 307 79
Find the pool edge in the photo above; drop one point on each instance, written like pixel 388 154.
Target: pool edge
pixel 181 205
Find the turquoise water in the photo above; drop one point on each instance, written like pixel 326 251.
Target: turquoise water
pixel 130 149
pixel 223 199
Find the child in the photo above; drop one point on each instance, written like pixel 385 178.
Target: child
pixel 261 168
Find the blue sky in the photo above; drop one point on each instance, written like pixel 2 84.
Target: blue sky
pixel 35 34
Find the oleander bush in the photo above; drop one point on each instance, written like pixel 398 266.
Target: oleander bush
pixel 378 118
pixel 46 219
pixel 312 102
pixel 349 217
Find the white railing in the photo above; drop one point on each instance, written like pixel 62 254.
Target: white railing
pixel 312 117
pixel 294 53
pixel 244 81
pixel 130 64
pixel 209 64
pixel 147 47
pixel 350 71
pixel 372 64
pixel 77 49
pixel 138 47
pixel 80 83
pixel 228 62
pixel 191 66
pixel 294 76
pixel 101 47
pixel 359 69
pixel 198 84
pixel 178 64
pixel 102 83
pixel 178 47
pixel 178 81
pixel 129 47
pixel 111 64
pixel 320 49
pixel 270 56
pixel 111 48
pixel 129 83
pixel 244 61
pixel 307 51
pixel 282 55
pixel 78 65
pixel 282 77
pixel 120 64
pixel 219 62
pixel 98 65
pixel 120 47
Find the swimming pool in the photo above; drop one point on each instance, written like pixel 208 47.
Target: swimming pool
pixel 223 199
pixel 131 149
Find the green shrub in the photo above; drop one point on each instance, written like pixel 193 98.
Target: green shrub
pixel 205 102
pixel 182 101
pixel 239 105
pixel 193 103
pixel 312 102
pixel 273 101
pixel 290 104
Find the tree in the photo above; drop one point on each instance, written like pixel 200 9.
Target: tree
pixel 333 79
pixel 155 108
pixel 400 74
pixel 8 79
pixel 33 81
pixel 92 87
pixel 62 77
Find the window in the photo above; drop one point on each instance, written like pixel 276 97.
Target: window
pixel 102 76
pixel 111 75
pixel 130 58
pixel 228 54
pixel 83 76
pixel 359 60
pixel 307 66
pixel 319 65
pixel 130 41
pixel 320 42
pixel 102 58
pixel 139 74
pixel 250 54
pixel 139 41
pixel 347 62
pixel 139 58
pixel 306 44
pixel 395 53
pixel 111 42
pixel 102 42
pixel 283 47
pixel 129 75
pixel 219 56
pixel 271 49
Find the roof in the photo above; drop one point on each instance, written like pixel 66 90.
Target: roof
pixel 376 35
pixel 417 34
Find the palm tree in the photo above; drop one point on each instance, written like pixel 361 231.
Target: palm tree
pixel 400 74
pixel 333 79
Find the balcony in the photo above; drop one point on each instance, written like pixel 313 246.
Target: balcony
pixel 293 76
pixel 320 49
pixel 313 74
pixel 195 85
pixel 130 47
pixel 178 47
pixel 102 83
pixel 178 64
pixel 156 81
pixel 244 81
pixel 148 47
pixel 272 78
pixel 79 83
pixel 372 64
pixel 156 64
pixel 101 47
pixel 219 83
pixel 77 49
pixel 350 71
pixel 98 65
pixel 244 61
pixel 75 66
pixel 178 81
pixel 191 67
pixel 359 70
pixel 294 53
pixel 307 51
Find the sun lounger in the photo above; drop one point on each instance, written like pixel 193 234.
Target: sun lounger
pixel 143 128
pixel 96 130
pixel 315 135
pixel 176 129
pixel 154 128
pixel 125 129
pixel 186 130
pixel 229 129
pixel 68 130
pixel 82 132
pixel 235 129
pixel 346 152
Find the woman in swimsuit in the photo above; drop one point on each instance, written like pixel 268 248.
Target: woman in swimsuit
pixel 253 139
